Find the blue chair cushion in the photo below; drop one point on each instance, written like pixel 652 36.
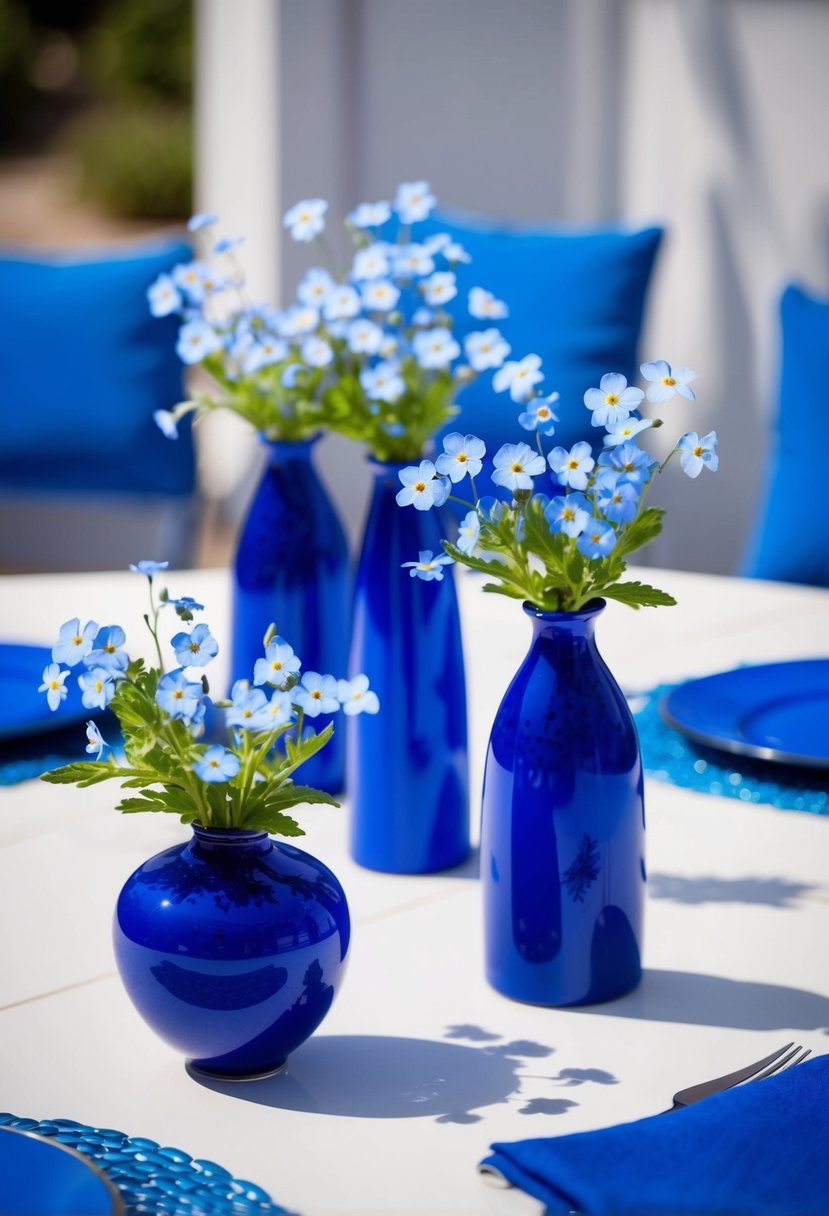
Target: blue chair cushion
pixel 788 546
pixel 84 366
pixel 575 298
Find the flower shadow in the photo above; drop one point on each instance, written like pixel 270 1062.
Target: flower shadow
pixel 770 892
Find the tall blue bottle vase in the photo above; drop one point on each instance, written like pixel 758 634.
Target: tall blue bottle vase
pixel 563 825
pixel 292 567
pixel 407 765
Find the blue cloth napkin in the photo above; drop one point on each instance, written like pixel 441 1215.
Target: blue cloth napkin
pixel 761 1149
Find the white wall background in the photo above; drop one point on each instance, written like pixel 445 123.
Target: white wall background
pixel 707 115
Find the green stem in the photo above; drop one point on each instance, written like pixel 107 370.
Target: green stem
pixel 153 628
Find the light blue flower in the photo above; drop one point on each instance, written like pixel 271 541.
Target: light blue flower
pixel 468 532
pixel 278 711
pixel 217 765
pixel 437 242
pixel 314 287
pixel 515 466
pixel 695 454
pixel 413 261
pixel 291 374
pixel 97 686
pixel 461 454
pixel 263 351
pixel 248 707
pixel 371 262
pixel 53 685
pixel 572 468
pixel 435 348
pixel 306 219
pixel 190 277
pixel 370 215
pixel 380 295
pixel 316 352
pixel 195 649
pixel 166 423
pixel 612 401
pixel 423 317
pixel 106 651
pixel 540 416
pixel 227 244
pixel 356 697
pixel 623 430
pixel 202 219
pixel 364 337
pixel 483 305
pixel 95 741
pixel 341 302
pixel 439 288
pixel 491 509
pixel 453 252
pixel 149 568
pixel 630 461
pixel 519 377
pixel 185 604
pixel 413 201
pixel 485 348
pixel 597 540
pixel 316 694
pixel 178 696
pixel 197 340
pixel 297 320
pixel 616 497
pixel 279 663
pixel 568 513
pixel 163 296
pixel 74 643
pixel 664 383
pixel 383 382
pixel 421 489
pixel 428 567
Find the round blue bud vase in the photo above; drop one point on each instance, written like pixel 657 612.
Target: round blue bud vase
pixel 292 568
pixel 563 824
pixel 232 947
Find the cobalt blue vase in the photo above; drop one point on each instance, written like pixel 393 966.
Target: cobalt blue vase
pixel 563 824
pixel 407 765
pixel 231 947
pixel 292 568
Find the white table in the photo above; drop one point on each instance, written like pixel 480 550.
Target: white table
pixel 420 1065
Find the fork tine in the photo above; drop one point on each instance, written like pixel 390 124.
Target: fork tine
pixel 786 1061
pixel 695 1093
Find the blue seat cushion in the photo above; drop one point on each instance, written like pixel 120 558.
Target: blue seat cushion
pixel 576 298
pixel 791 540
pixel 84 366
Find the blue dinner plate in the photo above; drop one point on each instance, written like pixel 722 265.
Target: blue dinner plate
pixel 23 710
pixel 45 1177
pixel 779 711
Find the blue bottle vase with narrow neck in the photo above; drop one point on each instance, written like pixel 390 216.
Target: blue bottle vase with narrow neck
pixel 563 825
pixel 231 946
pixel 407 765
pixel 292 567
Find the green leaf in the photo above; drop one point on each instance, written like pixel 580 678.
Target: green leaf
pixel 274 822
pixel 639 595
pixel 514 593
pixel 639 532
pixel 83 773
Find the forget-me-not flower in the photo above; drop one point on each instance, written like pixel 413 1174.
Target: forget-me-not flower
pixel 568 513
pixel 622 430
pixel 95 741
pixel 106 651
pixel 461 454
pixel 364 337
pixel 435 348
pixel 297 320
pixel 439 288
pixel 163 296
pixel 696 454
pixel 341 302
pixel 190 278
pixel 227 244
pixel 74 643
pixel 195 649
pixel 453 252
pixel 572 468
pixel 612 401
pixel 421 489
pixel 413 261
pixel 617 498
pixel 356 697
pixel 248 706
pixel 197 340
pixel 166 423
pixel 178 696
pixel 483 305
pixel 383 382
pixel 413 201
pixel 316 352
pixel 469 530
pixel 371 262
pixel 485 348
pixel 185 603
pixel 148 567
pixel 97 686
pixel 664 383
pixel 370 215
pixel 597 540
pixel 540 416
pixel 278 711
pixel 630 461
pixel 380 295
pixel 520 377
pixel 515 466
pixel 428 567
pixel 217 764
pixel 279 663
pixel 314 287
pixel 202 219
pixel 317 694
pixel 54 685
pixel 263 351
pixel 306 219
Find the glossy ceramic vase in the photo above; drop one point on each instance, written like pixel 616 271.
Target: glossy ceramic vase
pixel 563 825
pixel 232 947
pixel 292 567
pixel 407 765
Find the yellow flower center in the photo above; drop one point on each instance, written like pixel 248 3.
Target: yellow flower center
pixel 669 381
pixel 98 685
pixel 316 694
pixel 419 486
pixel 572 464
pixel 517 467
pixel 77 639
pixel 426 566
pixel 569 514
pixel 276 665
pixel 213 764
pixel 55 684
pixel 698 450
pixel 357 696
pixel 611 399
pixel 462 458
pixel 543 412
pixel 193 648
pixel 177 694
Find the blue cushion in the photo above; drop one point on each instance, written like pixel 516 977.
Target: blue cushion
pixel 84 366
pixel 575 298
pixel 791 541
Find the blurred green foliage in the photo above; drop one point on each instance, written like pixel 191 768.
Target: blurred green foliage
pixel 142 52
pixel 15 63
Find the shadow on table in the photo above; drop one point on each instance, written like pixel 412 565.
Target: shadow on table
pixel 713 1000
pixel 770 892
pixel 386 1077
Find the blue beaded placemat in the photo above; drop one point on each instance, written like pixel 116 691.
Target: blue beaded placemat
pixel 669 756
pixel 154 1180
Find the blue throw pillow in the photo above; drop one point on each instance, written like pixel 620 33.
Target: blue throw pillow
pixel 778 549
pixel 575 298
pixel 84 365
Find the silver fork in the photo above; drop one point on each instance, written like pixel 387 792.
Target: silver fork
pixel 786 1057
